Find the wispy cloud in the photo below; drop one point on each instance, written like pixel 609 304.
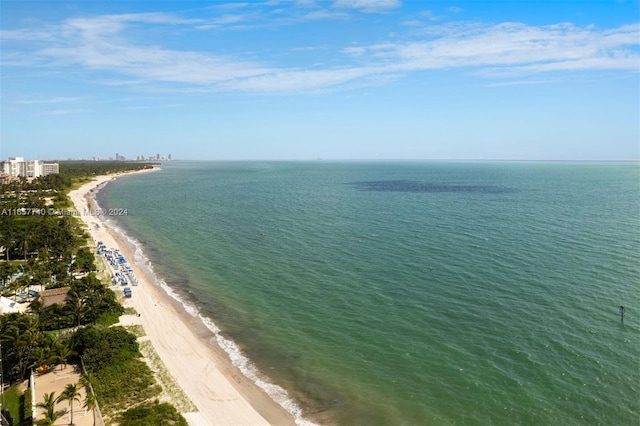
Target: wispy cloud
pixel 514 48
pixel 520 83
pixel 47 101
pixel 64 111
pixel 368 6
pixel 145 107
pixel 104 44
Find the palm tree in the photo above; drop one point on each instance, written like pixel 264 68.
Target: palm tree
pixel 71 393
pixel 14 286
pixel 90 401
pixel 87 380
pixel 23 338
pixel 50 413
pixel 24 242
pixel 90 404
pixel 23 283
pixel 7 269
pixel 36 307
pixel 76 304
pixel 62 351
pixel 8 241
pixel 39 274
pixel 42 355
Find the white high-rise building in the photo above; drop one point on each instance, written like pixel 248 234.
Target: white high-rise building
pixel 17 166
pixel 50 168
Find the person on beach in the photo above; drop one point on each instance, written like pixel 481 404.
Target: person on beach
pixel 621 313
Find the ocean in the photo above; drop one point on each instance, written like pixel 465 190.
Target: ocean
pixel 408 292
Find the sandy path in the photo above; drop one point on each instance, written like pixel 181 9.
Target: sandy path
pixel 222 394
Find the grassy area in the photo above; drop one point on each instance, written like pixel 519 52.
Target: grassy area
pixel 108 318
pixel 125 385
pixel 121 379
pixel 152 415
pixel 136 330
pixel 12 402
pixel 130 311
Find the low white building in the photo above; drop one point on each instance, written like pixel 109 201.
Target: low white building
pixel 18 166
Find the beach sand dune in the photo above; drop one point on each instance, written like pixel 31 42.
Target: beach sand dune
pixel 219 390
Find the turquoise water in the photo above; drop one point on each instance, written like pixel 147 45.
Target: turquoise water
pixel 415 293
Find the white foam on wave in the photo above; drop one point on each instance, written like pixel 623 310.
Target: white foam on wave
pixel 277 393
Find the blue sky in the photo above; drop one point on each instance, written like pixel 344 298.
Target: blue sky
pixel 335 79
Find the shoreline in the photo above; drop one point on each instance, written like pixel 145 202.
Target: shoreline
pixel 186 344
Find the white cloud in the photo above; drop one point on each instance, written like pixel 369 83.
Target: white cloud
pixel 320 15
pixel 154 63
pixel 517 47
pixel 47 101
pixel 99 44
pixel 520 83
pixel 429 15
pixel 231 5
pixel 508 49
pixel 368 6
pixel 64 112
pixel 296 80
pixel 229 19
pixel 355 50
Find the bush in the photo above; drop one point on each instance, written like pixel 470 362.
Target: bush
pixel 101 348
pixel 152 415
pixel 27 406
pixel 111 355
pixel 122 385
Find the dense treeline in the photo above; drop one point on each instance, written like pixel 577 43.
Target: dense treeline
pixel 52 250
pixel 50 238
pixel 83 169
pixel 57 182
pixel 88 301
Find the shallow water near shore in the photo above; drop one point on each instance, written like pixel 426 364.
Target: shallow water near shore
pixel 432 293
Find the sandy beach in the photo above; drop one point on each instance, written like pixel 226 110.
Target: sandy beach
pixel 204 372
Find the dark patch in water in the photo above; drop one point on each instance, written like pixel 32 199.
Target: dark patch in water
pixel 426 187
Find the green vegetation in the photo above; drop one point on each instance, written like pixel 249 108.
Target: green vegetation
pixel 26 407
pixel 152 415
pixel 136 330
pixel 42 246
pixel 130 311
pixel 70 394
pixel 84 170
pixel 88 302
pixel 12 401
pixel 112 357
pixel 49 406
pixel 90 401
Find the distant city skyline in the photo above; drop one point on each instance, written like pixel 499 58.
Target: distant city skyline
pixel 332 79
pixel 116 157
